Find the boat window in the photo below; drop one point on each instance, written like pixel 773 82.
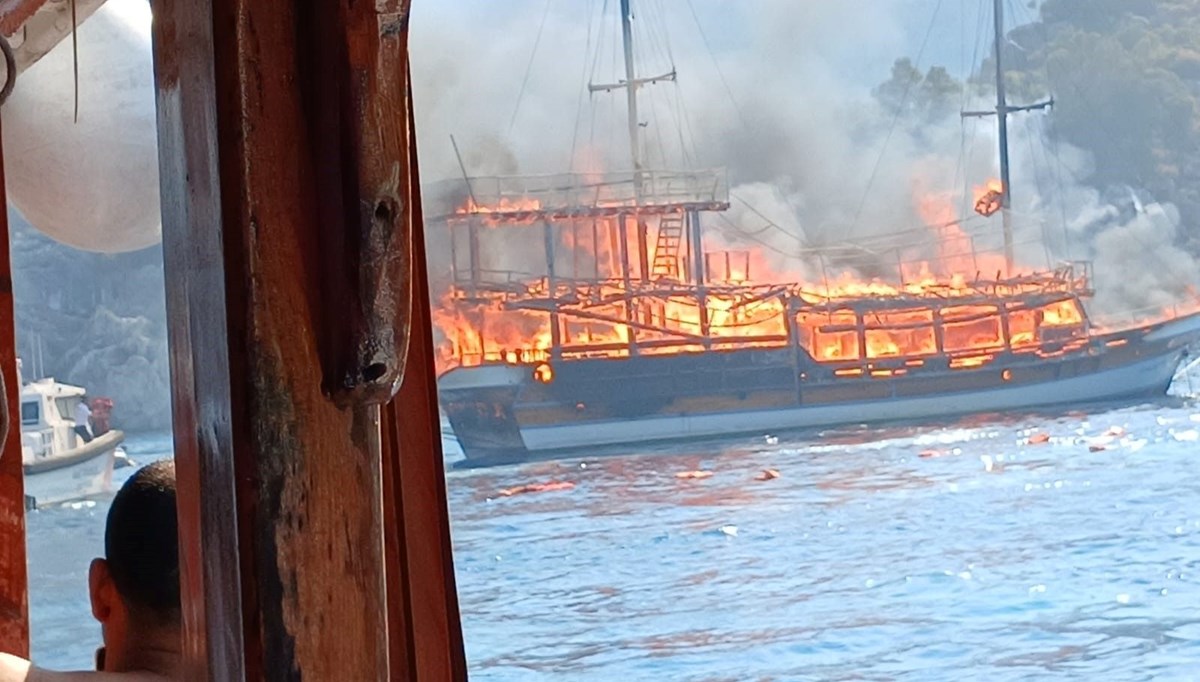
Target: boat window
pixel 1062 314
pixel 66 407
pixel 903 333
pixel 1023 329
pixel 1029 328
pixel 31 412
pixel 972 328
pixel 830 337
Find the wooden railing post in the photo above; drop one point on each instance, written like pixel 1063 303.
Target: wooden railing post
pixel 14 600
pixel 287 161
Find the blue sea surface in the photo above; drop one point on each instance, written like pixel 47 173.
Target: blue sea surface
pixel 962 551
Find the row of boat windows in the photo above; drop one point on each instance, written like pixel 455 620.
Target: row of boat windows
pixel 838 336
pixel 31 411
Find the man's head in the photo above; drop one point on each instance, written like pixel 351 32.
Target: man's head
pixel 135 587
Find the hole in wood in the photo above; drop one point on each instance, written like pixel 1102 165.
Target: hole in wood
pixel 374 372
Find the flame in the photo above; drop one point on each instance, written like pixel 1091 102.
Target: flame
pixel 594 309
pixel 504 205
pixel 989 198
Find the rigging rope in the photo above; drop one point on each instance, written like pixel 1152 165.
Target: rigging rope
pixel 720 73
pixel 583 88
pixel 10 71
pixel 895 120
pixel 528 68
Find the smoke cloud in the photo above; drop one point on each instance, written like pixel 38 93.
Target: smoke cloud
pixel 779 93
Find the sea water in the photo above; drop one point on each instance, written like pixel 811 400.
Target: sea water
pixel 1059 546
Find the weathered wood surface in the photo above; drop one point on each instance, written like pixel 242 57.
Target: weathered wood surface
pixel 14 601
pixel 203 363
pixel 421 587
pixel 289 200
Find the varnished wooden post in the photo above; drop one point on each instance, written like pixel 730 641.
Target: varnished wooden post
pixel 14 601
pixel 426 637
pixel 289 199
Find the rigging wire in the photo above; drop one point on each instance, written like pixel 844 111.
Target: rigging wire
pixel 685 154
pixel 712 54
pixel 529 68
pixel 583 88
pixel 895 120
pixel 770 223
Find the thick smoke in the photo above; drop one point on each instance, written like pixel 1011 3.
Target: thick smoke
pixel 814 160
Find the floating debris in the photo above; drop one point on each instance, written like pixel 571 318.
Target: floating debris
pixel 1096 447
pixel 1038 439
pixel 550 486
pixel 771 440
pixel 731 531
pixel 767 475
pixel 693 475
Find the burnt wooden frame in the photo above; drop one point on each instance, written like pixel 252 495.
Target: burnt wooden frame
pixel 267 153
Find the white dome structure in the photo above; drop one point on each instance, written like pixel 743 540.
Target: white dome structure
pixel 91 184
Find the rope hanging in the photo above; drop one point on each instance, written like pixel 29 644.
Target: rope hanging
pixel 10 71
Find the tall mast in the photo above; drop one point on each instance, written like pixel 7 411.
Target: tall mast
pixel 631 85
pixel 1002 116
pixel 1001 113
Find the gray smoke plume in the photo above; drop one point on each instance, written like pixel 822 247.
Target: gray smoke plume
pixel 779 93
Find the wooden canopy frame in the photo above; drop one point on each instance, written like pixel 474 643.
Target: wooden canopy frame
pixel 314 532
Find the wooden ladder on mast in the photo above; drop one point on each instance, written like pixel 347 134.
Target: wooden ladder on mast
pixel 666 246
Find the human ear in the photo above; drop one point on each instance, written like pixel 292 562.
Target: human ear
pixel 102 591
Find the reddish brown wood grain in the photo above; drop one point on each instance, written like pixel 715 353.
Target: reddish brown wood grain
pixel 420 576
pixel 14 601
pixel 289 196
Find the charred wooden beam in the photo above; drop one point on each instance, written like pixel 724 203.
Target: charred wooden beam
pixel 14 600
pixel 289 194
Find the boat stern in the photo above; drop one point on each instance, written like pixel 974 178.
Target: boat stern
pixel 479 403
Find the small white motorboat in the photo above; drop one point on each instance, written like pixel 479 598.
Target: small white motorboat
pixel 59 466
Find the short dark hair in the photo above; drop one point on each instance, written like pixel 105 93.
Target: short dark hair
pixel 141 542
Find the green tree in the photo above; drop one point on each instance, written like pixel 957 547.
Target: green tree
pixel 919 99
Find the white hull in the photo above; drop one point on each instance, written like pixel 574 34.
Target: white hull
pixel 78 477
pixel 1146 377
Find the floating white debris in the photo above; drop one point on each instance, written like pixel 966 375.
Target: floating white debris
pixel 771 440
pixel 731 531
pixel 1037 589
pixel 988 462
pixel 1122 599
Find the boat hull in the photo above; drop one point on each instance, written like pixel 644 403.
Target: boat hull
pixel 76 474
pixel 500 413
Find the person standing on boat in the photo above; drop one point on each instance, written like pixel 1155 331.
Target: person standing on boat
pixel 83 420
pixel 134 589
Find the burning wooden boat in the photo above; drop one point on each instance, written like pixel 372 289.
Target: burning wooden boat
pixel 630 329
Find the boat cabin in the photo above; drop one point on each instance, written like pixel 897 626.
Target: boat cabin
pixel 48 419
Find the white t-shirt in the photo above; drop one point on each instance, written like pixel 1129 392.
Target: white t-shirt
pixel 81 414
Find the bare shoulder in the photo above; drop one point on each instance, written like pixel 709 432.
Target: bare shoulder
pixel 14 669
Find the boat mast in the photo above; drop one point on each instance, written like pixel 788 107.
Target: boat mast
pixel 631 84
pixel 631 87
pixel 1002 117
pixel 1002 111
